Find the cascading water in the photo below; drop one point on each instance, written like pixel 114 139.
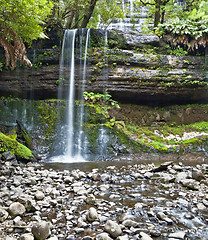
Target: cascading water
pixel 72 133
pixel 81 112
pixel 133 17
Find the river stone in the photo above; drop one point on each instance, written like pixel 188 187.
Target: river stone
pixel 53 238
pixel 112 228
pixel 190 183
pixel 39 195
pixel 41 230
pixel 163 217
pixel 144 236
pixel 16 209
pixel 181 176
pixel 197 175
pixel 7 156
pixel 125 237
pixel 26 236
pixel 3 215
pixel 129 223
pixel 148 175
pixel 177 235
pixel 68 179
pixel 103 236
pixel 162 167
pixel 92 215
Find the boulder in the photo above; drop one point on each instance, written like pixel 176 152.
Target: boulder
pixel 112 228
pixel 92 215
pixel 103 236
pixel 41 230
pixel 16 209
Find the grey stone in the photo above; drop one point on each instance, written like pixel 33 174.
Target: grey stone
pixel 16 209
pixel 197 175
pixel 144 236
pixel 125 237
pixel 7 156
pixel 39 195
pixel 177 235
pixel 164 217
pixel 41 230
pixel 112 228
pixel 3 214
pixel 190 183
pixel 92 215
pixel 26 236
pixel 181 176
pixel 129 223
pixel 148 175
pixel 103 236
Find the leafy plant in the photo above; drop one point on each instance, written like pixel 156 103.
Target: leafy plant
pixel 178 52
pixel 1 66
pixel 190 33
pixel 101 103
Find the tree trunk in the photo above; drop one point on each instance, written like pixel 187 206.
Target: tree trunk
pixel 69 20
pixel 88 14
pixel 157 12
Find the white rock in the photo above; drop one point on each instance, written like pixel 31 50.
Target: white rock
pixel 16 209
pixel 113 229
pixel 39 195
pixel 26 236
pixel 125 237
pixel 92 215
pixel 144 236
pixel 103 236
pixel 3 215
pixel 177 235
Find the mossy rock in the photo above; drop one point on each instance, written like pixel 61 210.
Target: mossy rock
pixel 14 147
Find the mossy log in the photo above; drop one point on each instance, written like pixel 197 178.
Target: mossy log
pixel 14 147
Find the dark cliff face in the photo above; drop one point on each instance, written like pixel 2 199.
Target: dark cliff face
pixel 139 71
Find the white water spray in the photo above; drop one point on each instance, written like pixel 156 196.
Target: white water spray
pixel 72 136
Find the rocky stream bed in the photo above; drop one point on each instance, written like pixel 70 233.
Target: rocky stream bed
pixel 133 201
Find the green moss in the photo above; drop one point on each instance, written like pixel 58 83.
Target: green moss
pixel 21 152
pixel 148 136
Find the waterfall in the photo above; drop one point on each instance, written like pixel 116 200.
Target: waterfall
pixel 71 140
pixel 81 112
pixel 71 99
pixel 133 17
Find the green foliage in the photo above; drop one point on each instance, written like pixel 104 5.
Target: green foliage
pixel 191 27
pixel 21 152
pixel 104 13
pixel 102 99
pixel 156 137
pixel 178 52
pixel 25 17
pixel 1 66
pixel 187 32
pixel 48 116
pixel 102 104
pixel 188 26
pixel 201 126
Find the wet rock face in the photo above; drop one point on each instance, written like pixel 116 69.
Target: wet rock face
pixel 136 72
pixel 124 203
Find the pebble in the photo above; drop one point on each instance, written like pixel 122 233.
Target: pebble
pixel 178 235
pixel 26 236
pixel 112 228
pixel 138 201
pixel 41 230
pixel 144 236
pixel 92 215
pixel 16 209
pixel 103 236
